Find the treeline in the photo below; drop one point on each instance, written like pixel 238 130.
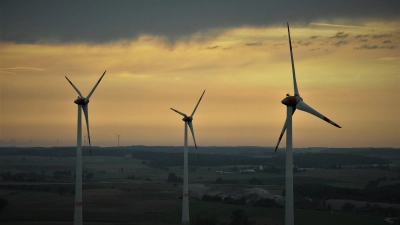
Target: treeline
pixel 34 177
pixel 22 177
pixel 54 188
pixel 380 152
pixel 162 159
pixel 71 150
pixel 238 217
pixel 333 160
pixel 309 160
pixel 387 194
pixel 164 156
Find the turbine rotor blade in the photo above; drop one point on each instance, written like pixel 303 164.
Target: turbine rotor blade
pixel 192 131
pixel 197 104
pixel 306 108
pixel 95 86
pixel 194 139
pixel 280 137
pixel 183 114
pixel 283 131
pixel 86 112
pixel 296 91
pixel 76 89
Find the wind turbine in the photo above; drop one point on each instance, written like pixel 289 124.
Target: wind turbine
pixel 118 139
pixel 185 199
pixel 82 103
pixel 293 103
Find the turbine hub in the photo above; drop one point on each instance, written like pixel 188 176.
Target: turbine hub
pixel 291 100
pixel 187 119
pixel 81 101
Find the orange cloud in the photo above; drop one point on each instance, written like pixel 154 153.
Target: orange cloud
pixel 245 84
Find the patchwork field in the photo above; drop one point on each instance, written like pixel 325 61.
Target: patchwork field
pixel 109 197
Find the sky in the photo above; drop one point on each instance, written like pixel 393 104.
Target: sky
pixel 163 54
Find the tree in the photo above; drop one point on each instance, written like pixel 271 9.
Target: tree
pixel 219 180
pixel 348 206
pixel 89 176
pixel 210 220
pixel 239 217
pixel 174 179
pixel 3 203
pixel 254 181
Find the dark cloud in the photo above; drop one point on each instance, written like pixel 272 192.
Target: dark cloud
pixel 389 47
pixel 340 35
pixel 367 47
pixel 363 40
pixel 254 44
pixel 381 36
pixel 339 43
pixel 371 47
pixel 213 47
pixel 387 42
pixel 304 43
pixel 104 20
pixel 315 36
pixel 361 36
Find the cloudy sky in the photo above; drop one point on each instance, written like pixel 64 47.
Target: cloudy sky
pixel 163 54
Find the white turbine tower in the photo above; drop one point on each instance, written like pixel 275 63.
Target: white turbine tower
pixel 185 198
pixel 293 103
pixel 82 103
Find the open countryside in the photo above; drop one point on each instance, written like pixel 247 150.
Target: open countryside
pixel 143 185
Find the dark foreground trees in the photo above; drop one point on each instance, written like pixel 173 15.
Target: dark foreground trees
pixel 3 203
pixel 238 217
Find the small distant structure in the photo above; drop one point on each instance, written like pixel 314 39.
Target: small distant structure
pixel 13 143
pixel 261 168
pixel 220 171
pixel 118 139
pixel 247 171
pixel 305 169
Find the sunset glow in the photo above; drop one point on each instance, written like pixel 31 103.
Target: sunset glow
pixel 347 70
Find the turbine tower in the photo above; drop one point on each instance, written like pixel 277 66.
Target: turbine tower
pixel 293 103
pixel 82 103
pixel 185 198
pixel 118 139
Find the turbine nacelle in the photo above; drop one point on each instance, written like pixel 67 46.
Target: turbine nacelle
pixel 81 101
pixel 291 100
pixel 187 119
